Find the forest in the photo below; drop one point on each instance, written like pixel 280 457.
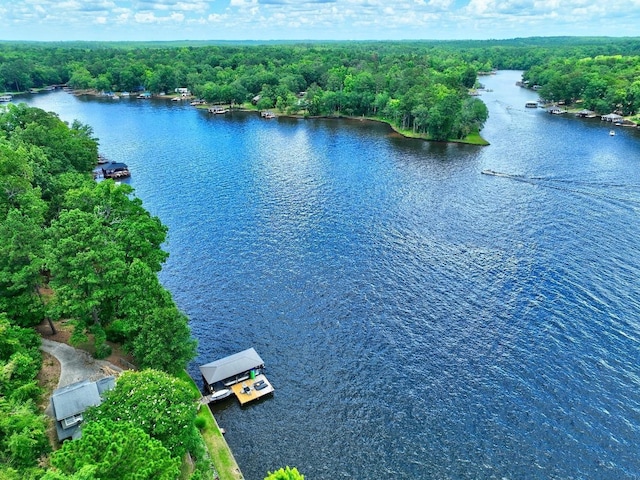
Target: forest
pixel 419 87
pixel 604 83
pixel 88 252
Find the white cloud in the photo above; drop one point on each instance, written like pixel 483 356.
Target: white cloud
pixel 365 19
pixel 145 17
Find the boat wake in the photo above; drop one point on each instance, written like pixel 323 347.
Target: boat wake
pixel 565 185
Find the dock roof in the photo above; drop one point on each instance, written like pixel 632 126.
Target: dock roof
pixel 115 166
pixel 231 366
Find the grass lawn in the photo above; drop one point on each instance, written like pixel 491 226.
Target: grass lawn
pixel 471 139
pixel 219 450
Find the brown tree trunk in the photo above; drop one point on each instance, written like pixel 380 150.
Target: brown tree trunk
pixel 53 328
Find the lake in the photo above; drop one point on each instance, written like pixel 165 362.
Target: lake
pixel 418 319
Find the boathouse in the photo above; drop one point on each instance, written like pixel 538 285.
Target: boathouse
pixel 612 117
pixel 586 113
pixel 555 110
pixel 115 170
pixel 240 374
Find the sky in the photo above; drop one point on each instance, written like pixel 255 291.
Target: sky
pixel 66 20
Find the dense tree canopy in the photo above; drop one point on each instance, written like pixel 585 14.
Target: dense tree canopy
pixel 401 83
pixel 161 405
pixel 604 83
pixel 111 450
pixel 22 429
pixel 420 85
pixel 92 244
pixel 58 226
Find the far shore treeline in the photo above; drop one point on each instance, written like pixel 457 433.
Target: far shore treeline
pixel 420 87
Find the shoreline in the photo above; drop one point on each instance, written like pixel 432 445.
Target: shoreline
pixel 474 139
pixel 219 451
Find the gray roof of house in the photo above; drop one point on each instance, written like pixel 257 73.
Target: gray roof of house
pixel 74 399
pixel 231 366
pixel 71 432
pixel 106 383
pixel 614 116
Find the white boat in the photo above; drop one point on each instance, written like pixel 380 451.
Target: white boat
pixel 612 133
pixel 218 110
pixel 531 105
pixel 219 395
pixel 6 98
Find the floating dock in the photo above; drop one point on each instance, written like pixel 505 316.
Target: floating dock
pixel 253 389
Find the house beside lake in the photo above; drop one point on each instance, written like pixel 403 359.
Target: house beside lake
pixel 69 404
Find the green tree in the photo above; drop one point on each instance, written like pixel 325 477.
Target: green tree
pixel 161 405
pixel 162 79
pixel 103 83
pixel 137 233
pixel 21 258
pixel 87 268
pixel 20 357
pixel 468 77
pixel 164 340
pixel 66 148
pixel 156 332
pixel 16 177
pixel 116 450
pixel 23 438
pixel 16 74
pixel 80 78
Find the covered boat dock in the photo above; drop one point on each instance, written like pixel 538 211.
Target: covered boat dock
pixel 115 170
pixel 240 374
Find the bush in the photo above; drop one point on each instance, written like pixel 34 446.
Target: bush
pixel 117 331
pixel 287 473
pixel 200 423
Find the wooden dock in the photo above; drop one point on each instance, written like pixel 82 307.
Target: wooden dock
pixel 249 390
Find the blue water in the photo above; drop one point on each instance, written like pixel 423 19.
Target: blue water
pixel 418 319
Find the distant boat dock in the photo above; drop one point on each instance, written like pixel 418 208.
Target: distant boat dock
pixel 240 374
pixel 107 169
